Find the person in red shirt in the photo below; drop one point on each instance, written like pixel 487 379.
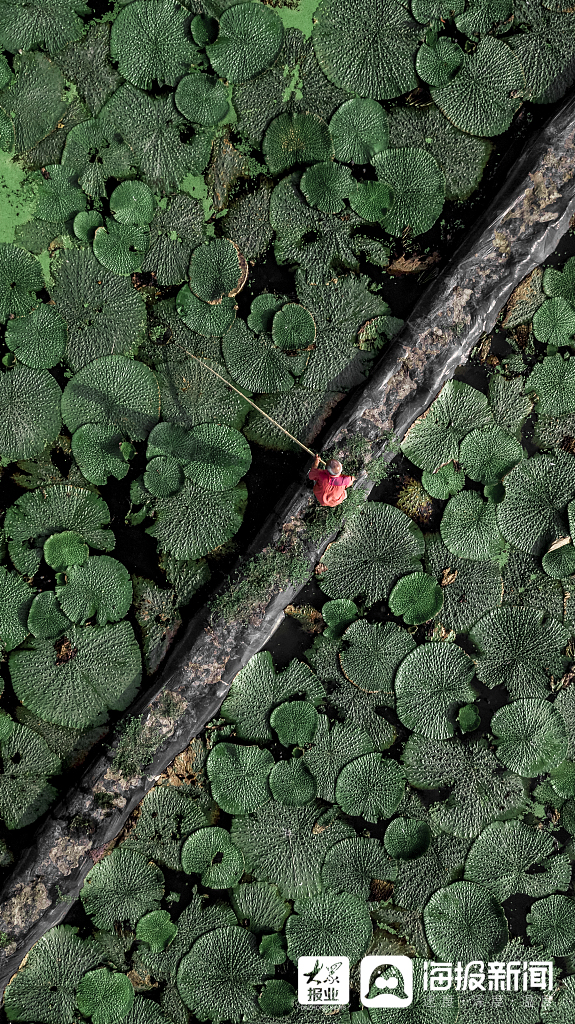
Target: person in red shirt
pixel 330 487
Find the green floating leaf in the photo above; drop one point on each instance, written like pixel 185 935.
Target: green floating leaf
pixel 480 791
pixel 487 455
pixel 486 92
pixel 167 818
pixel 370 787
pixel 85 225
pixel 120 247
pixel 374 654
pixel 417 598
pixel 293 327
pixel 104 996
pixel 104 314
pixel 332 749
pixel 121 887
pixel 150 127
pixel 407 838
pixel 16 597
pixel 217 268
pixel 203 99
pixel 470 588
pixel 211 854
pixel 483 16
pixel 46 621
pixel 156 929
pixel 20 277
pixel 560 282
pixel 98 451
pixel 559 562
pixel 376 548
pixel 352 864
pixel 330 924
pixel 197 520
pixel 288 845
pixel 64 549
pixel 151 43
pixel 38 340
pixel 551 925
pixel 51 24
pixel 132 202
pixel 291 783
pixel 262 312
pixel 295 722
pixel 116 392
pixel 249 39
pixel 434 438
pixel 255 363
pixel 277 998
pixel 367 50
pixel 413 208
pixel 510 858
pixel 429 684
pixel 371 200
pixel 537 491
pixel 530 737
pixel 214 456
pixel 359 129
pixel 338 615
pixel 257 689
pixel 164 476
pixel 100 587
pixel 272 948
pixel 436 64
pixel 519 648
pixel 432 10
pixel 218 977
pixel 553 383
pixel 37 515
pixel 468 718
pixel 44 988
pixel 469 526
pixel 27 763
pixel 296 139
pixel 84 673
pixel 463 919
pixel 554 322
pixel 58 197
pixel 261 906
pixel 461 157
pixel 239 776
pixel 191 394
pixel 327 186
pixel 558 1005
pixel 211 320
pixel 175 231
pixel 29 412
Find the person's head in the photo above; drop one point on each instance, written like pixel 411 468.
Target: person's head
pixel 334 467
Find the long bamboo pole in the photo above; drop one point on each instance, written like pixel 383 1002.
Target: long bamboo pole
pixel 238 392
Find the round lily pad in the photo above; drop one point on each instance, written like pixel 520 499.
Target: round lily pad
pixel 249 39
pixel 293 327
pixel 132 202
pixel 530 736
pixel 164 476
pixel 359 130
pixel 295 722
pixel 64 549
pixel 292 783
pixel 239 776
pixel 203 99
pixel 464 921
pixel 39 339
pixel 211 320
pixel 217 268
pixel 417 598
pixel 211 854
pixel 407 838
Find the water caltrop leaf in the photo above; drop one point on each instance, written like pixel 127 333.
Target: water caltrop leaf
pixel 249 39
pixel 121 887
pixel 100 587
pixel 416 208
pixel 203 99
pixel 210 853
pixel 351 865
pixel 486 92
pixel 98 451
pixel 16 596
pixel 115 391
pixel 417 598
pixel 197 519
pixel 53 24
pixel 530 736
pixel 239 776
pixel 219 975
pixel 287 845
pixel 463 919
pixel 332 749
pixel 551 925
pixel 29 412
pixel 291 783
pixel 46 620
pixel 537 491
pixel 374 653
pixel 260 905
pixel 502 857
pixel 429 684
pixel 257 689
pixel 322 924
pixel 368 50
pixel 39 339
pixel 214 455
pixel 105 996
pixel 371 787
pixel 217 268
pixel 376 548
pixel 73 680
pixel 44 989
pixel 27 763
pixel 519 648
pixel 434 438
pixel 150 43
pixel 37 515
pixel 296 138
pixel 103 313
pixel 359 129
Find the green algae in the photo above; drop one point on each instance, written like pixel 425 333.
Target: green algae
pixel 17 203
pixel 299 17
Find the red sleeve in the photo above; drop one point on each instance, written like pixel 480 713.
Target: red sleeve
pixel 347 480
pixel 315 474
